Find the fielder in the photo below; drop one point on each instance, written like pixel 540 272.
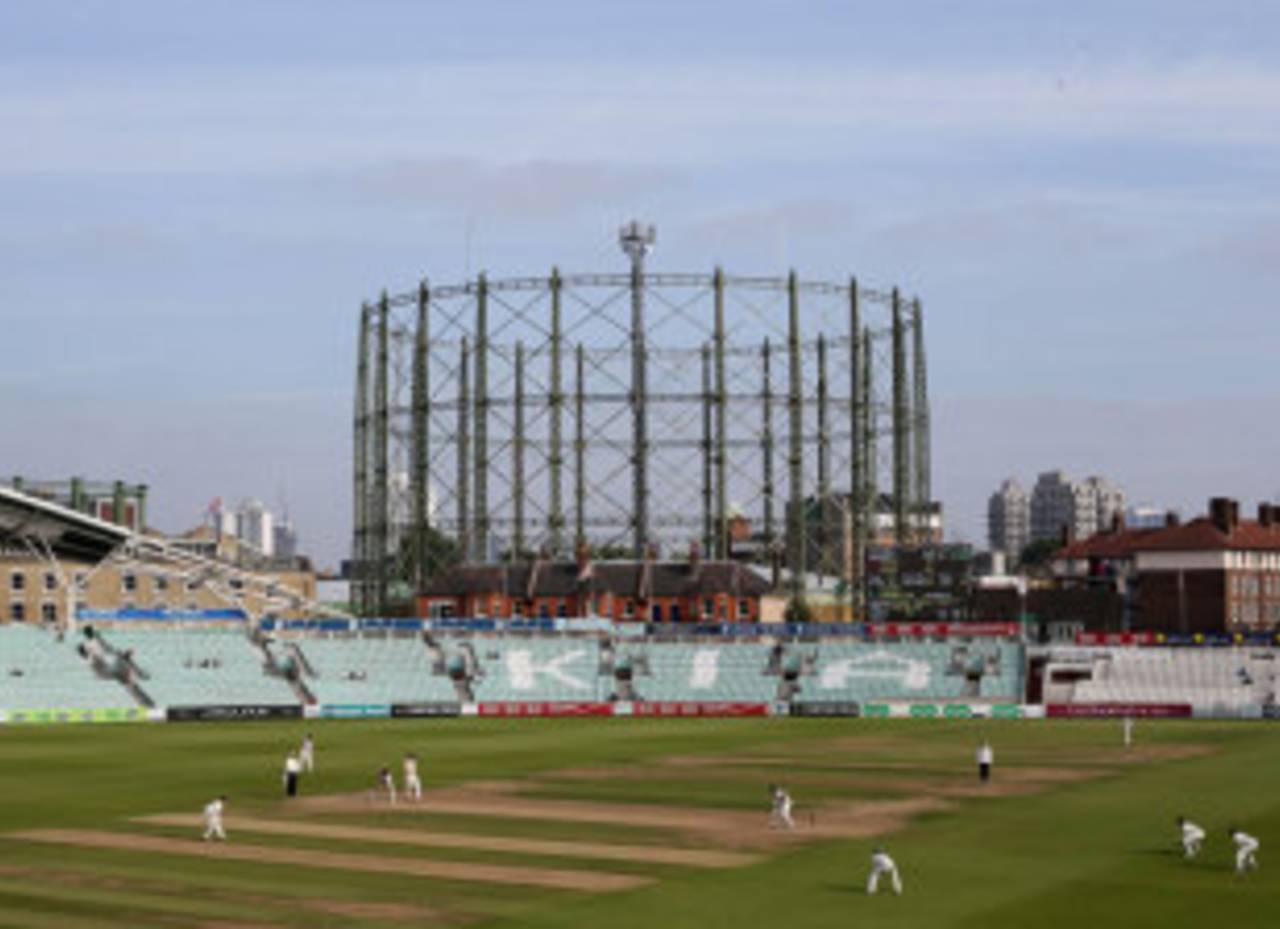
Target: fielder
pixel 387 784
pixel 412 783
pixel 1246 850
pixel 986 758
pixel 1192 837
pixel 881 863
pixel 781 813
pixel 307 753
pixel 213 819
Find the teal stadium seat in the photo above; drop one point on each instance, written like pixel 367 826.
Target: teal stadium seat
pixel 368 670
pixel 182 667
pixel 38 672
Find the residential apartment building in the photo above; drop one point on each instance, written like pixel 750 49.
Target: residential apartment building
pixel 1077 509
pixel 1009 520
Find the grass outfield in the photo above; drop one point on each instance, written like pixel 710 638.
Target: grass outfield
pixel 1075 830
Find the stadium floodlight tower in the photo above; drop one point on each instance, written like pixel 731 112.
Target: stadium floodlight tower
pixel 637 242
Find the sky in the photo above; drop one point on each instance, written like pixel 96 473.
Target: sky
pixel 195 198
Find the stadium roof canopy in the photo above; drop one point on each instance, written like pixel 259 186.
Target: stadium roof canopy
pixel 66 533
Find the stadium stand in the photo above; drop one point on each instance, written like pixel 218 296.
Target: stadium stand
pixel 914 671
pixel 529 668
pixel 185 667
pixel 701 671
pixel 40 671
pixel 171 665
pixel 1226 678
pixel 373 670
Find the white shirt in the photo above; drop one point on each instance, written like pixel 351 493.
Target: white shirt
pixel 410 768
pixel 1191 832
pixel 985 754
pixel 292 765
pixel 213 810
pixel 1245 843
pixel 881 861
pixel 308 747
pixel 782 802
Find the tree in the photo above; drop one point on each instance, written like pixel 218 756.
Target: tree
pixel 1039 553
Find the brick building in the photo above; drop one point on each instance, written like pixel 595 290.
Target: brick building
pixel 1215 573
pixel 645 591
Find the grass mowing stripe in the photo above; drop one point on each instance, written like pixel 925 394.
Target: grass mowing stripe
pixel 538 877
pixel 695 858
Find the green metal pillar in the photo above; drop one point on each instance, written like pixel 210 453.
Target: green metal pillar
pixel 579 451
pixel 920 420
pixel 901 430
pixel 463 431
pixel 517 459
pixel 360 533
pixel 858 403
pixel 720 455
pixel 795 444
pixel 826 505
pixel 708 534
pixel 420 447
pixel 117 504
pixel 870 485
pixel 480 461
pixel 555 458
pixel 381 456
pixel 766 441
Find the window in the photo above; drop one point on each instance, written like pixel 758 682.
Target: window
pixel 162 583
pixel 82 578
pixel 128 583
pixel 629 608
pixel 562 611
pixel 708 607
pixel 744 609
pixel 49 612
pixel 50 581
pixel 17 612
pixel 17 581
pixel 237 584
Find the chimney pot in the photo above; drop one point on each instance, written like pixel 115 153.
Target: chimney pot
pixel 1172 519
pixel 1220 513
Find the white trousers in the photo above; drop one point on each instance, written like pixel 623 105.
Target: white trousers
pixel 213 829
pixel 1191 847
pixel 1245 859
pixel 413 788
pixel 873 882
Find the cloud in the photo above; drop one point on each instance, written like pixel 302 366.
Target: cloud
pixel 527 190
pixel 1254 248
pixel 291 119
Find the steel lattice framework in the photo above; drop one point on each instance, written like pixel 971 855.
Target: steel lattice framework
pixel 623 410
